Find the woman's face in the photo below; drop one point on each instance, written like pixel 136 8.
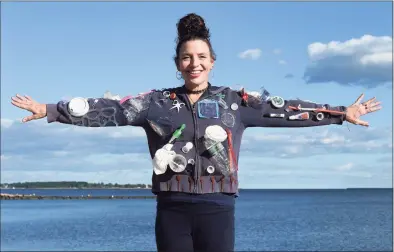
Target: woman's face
pixel 195 62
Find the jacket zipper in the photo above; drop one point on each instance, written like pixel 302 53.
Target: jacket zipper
pixel 197 167
pixel 197 161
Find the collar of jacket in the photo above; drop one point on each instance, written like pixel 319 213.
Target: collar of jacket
pixel 211 90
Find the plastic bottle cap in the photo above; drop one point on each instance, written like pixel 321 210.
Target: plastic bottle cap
pixel 188 146
pixel 215 133
pixel 277 101
pixel 78 106
pixel 234 106
pixel 210 169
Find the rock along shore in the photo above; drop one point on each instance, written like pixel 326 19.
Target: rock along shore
pixel 6 196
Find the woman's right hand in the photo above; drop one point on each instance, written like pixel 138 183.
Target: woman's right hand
pixel 25 102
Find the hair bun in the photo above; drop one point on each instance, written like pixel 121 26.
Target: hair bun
pixel 192 25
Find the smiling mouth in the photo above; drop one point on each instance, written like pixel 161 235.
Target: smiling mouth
pixel 195 72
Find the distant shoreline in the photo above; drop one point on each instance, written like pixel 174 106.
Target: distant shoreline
pixel 67 188
pixel 118 188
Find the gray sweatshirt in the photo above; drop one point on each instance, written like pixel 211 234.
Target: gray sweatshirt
pixel 201 158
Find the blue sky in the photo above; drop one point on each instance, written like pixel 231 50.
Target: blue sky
pixel 328 52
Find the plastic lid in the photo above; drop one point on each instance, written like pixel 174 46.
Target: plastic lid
pixel 215 133
pixel 78 106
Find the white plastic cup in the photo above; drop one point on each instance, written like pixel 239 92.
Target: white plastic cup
pixel 178 163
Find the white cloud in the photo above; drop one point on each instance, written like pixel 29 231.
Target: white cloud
pixel 277 51
pixel 282 62
pixel 63 152
pixel 64 129
pixel 345 167
pixel 6 123
pixel 294 143
pixel 116 160
pixel 292 149
pixel 312 172
pixel 253 54
pixel 385 58
pixel 127 132
pixel 333 139
pixel 365 61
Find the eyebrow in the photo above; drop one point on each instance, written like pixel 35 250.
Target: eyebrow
pixel 185 53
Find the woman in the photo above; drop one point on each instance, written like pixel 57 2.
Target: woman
pixel 194 134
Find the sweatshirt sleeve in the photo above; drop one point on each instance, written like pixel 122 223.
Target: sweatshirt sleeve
pixel 278 112
pixel 101 112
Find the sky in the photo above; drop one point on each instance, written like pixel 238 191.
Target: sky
pixel 327 52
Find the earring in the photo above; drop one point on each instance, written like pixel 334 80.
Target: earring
pixel 213 74
pixel 178 75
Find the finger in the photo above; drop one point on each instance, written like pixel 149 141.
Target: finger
pixel 30 118
pixel 362 123
pixel 374 104
pixel 16 99
pixel 19 104
pixel 28 98
pixel 23 98
pixel 359 99
pixel 20 97
pixel 374 109
pixel 370 100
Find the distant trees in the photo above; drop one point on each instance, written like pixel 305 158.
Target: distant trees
pixel 71 184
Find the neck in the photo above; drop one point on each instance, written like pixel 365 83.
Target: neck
pixel 196 89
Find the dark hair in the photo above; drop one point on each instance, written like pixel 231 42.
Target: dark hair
pixel 192 27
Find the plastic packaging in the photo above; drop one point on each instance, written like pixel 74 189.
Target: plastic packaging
pixel 162 158
pixel 213 137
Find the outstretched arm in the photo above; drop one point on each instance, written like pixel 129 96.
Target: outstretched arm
pixel 90 112
pixel 278 112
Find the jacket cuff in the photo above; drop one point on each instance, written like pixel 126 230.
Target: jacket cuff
pixel 52 113
pixel 341 118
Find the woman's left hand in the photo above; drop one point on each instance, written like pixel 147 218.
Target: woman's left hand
pixel 358 109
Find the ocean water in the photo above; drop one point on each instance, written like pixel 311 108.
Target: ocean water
pixel 266 220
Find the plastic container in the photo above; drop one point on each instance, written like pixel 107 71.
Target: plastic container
pixel 213 137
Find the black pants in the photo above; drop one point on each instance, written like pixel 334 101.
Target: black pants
pixel 194 227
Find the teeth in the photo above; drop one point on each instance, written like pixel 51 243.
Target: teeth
pixel 195 72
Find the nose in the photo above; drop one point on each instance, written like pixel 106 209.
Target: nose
pixel 195 62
